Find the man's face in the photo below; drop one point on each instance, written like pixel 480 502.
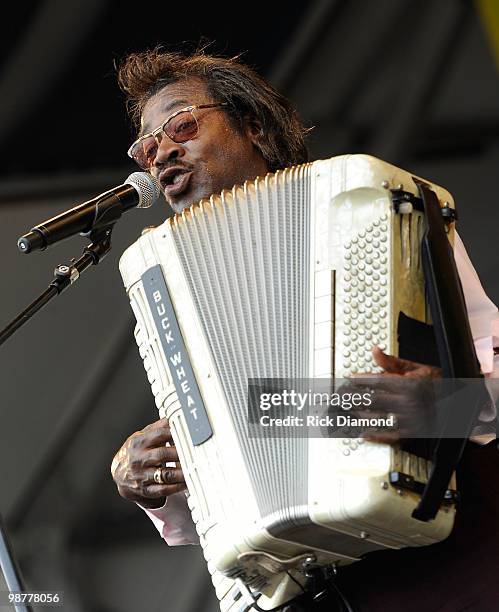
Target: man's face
pixel 218 157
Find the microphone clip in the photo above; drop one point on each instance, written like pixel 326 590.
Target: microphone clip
pixel 93 254
pixel 65 275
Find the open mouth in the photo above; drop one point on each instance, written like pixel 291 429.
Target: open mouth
pixel 175 180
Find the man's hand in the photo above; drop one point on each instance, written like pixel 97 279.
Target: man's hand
pixel 140 456
pixel 402 389
pixel 394 366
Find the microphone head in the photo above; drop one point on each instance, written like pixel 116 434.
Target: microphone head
pixel 146 186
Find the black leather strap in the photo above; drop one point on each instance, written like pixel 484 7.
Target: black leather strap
pixel 455 344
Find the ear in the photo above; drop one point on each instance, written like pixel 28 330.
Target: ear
pixel 253 129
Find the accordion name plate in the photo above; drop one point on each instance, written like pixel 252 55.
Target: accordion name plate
pixel 165 320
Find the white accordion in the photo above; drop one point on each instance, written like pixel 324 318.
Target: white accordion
pixel 295 275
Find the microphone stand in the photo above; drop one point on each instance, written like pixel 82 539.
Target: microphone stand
pixel 65 275
pixel 11 570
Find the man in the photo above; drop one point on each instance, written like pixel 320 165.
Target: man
pixel 255 132
pixel 206 124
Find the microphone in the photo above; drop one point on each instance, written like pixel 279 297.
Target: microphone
pixel 140 190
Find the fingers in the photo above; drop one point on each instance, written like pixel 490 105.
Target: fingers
pixel 156 434
pixel 153 495
pixel 161 455
pixel 153 492
pixel 377 384
pixel 167 476
pixel 390 363
pixel 142 487
pixel 173 481
pixel 135 464
pixel 383 437
pixel 396 366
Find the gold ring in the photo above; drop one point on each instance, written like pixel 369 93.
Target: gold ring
pixel 158 476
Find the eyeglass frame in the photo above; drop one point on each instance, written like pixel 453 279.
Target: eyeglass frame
pixel 161 128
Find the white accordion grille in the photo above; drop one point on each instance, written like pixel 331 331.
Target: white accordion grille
pixel 255 309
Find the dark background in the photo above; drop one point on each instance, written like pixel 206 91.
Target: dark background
pixel 414 83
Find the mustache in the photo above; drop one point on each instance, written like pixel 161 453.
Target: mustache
pixel 174 164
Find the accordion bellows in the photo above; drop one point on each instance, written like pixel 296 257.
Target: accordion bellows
pixel 294 275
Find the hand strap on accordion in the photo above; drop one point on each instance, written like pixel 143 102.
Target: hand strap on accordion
pixel 454 342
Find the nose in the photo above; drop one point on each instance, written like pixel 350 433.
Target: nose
pixel 167 150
